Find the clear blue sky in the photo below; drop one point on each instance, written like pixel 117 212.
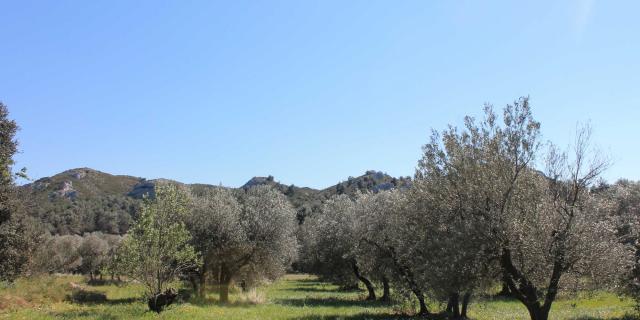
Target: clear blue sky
pixel 308 91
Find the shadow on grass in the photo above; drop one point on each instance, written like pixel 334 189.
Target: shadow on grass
pixel 306 280
pixel 308 284
pixel 209 301
pixel 625 317
pixel 312 289
pixel 122 301
pixel 84 314
pixel 112 302
pixel 329 302
pixel 360 316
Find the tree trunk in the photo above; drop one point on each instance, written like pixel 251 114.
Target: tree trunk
pixel 537 312
pixel 224 291
pixel 194 284
pixel 386 295
pixel 225 281
pixel 367 283
pixel 465 304
pixel 526 292
pixel 202 283
pixel 423 306
pixel 455 304
pixel 504 292
pixel 406 274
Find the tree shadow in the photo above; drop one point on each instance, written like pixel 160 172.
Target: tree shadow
pixel 311 289
pixel 329 302
pixel 306 280
pixel 210 301
pixel 625 317
pixel 309 284
pixel 360 316
pixel 84 314
pixel 122 301
pixel 108 301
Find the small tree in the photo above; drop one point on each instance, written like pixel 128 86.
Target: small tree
pixel 157 247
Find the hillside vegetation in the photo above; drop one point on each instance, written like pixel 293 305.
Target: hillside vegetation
pixel 83 200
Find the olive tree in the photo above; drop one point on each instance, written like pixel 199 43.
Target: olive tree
pixel 625 197
pixel 214 224
pixel 58 254
pixel 378 215
pixel 371 211
pixel 250 239
pixel 157 247
pixel 541 227
pixel 93 251
pixel 334 238
pixel 387 242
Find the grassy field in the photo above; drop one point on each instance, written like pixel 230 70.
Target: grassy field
pixel 293 297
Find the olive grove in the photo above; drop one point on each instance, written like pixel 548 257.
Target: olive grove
pixel 489 203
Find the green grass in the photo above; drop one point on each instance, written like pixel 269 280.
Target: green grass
pixel 293 297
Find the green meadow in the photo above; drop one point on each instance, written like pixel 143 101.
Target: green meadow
pixel 292 297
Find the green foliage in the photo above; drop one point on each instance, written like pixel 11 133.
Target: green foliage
pixel 17 236
pixel 157 248
pixel 112 214
pixel 83 200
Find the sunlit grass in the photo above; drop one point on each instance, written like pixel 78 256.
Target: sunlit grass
pixel 293 297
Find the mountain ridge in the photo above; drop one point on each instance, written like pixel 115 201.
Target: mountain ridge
pixel 84 200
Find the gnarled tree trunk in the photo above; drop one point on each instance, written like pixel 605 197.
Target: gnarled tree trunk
pixel 367 283
pixel 224 283
pixel 423 306
pixel 465 304
pixel 526 292
pixel 386 292
pixel 454 300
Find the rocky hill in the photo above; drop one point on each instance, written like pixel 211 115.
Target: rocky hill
pixel 85 200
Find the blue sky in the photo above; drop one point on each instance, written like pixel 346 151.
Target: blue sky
pixel 308 91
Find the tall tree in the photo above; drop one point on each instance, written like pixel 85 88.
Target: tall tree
pixel 541 227
pixel 16 235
